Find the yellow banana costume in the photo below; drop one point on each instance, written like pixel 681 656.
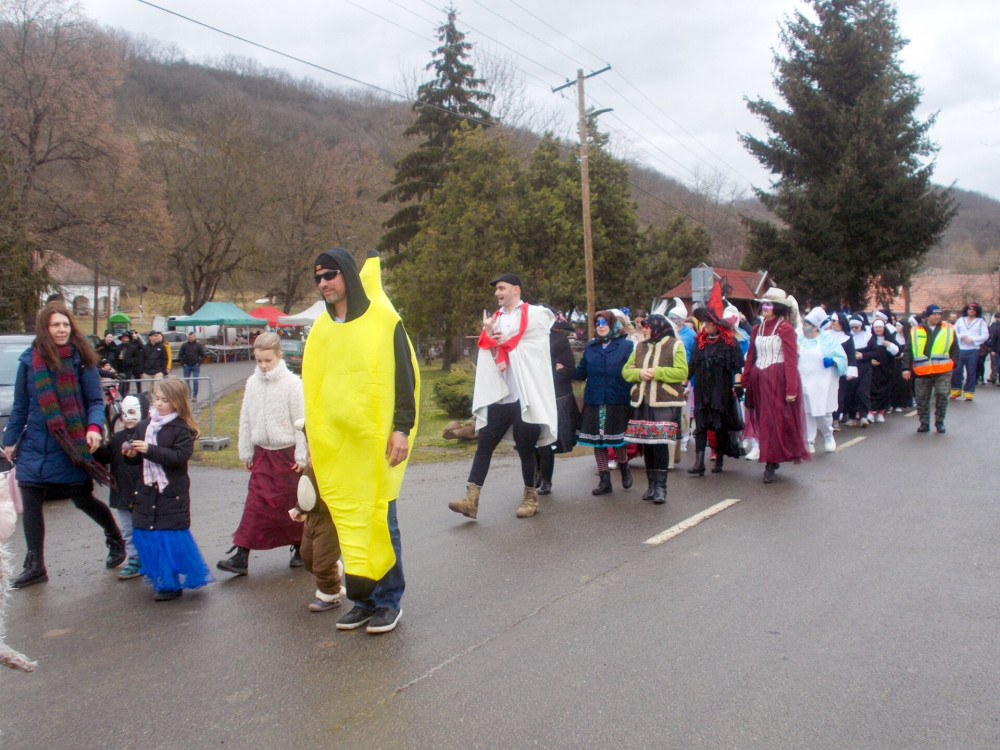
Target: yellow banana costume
pixel 348 375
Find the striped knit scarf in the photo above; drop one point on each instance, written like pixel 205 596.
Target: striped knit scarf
pixel 62 409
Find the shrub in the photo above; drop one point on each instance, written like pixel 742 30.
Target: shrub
pixel 454 394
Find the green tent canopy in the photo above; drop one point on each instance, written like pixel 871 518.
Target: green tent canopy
pixel 217 314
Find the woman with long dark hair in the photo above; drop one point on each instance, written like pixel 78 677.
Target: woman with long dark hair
pixel 57 416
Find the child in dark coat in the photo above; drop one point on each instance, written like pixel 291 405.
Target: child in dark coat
pixel 170 558
pixel 128 477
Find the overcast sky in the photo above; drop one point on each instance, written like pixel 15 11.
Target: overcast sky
pixel 680 71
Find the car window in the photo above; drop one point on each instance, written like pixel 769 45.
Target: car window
pixel 9 352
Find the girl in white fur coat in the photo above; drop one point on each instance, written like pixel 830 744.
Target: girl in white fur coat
pixel 274 453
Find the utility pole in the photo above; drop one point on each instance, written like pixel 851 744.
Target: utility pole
pixel 588 241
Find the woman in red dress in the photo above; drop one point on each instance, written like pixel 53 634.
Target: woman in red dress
pixel 773 386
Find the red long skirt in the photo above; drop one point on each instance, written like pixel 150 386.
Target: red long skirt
pixel 271 494
pixel 780 426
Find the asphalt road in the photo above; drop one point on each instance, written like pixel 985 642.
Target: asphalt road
pixel 851 604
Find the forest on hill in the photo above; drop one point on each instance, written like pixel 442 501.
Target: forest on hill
pixel 201 179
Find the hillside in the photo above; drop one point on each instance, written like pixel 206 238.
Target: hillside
pixel 169 90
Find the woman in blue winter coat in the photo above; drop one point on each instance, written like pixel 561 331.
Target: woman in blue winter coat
pixel 606 400
pixel 57 416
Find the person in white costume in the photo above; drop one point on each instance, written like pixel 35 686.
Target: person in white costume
pixel 821 363
pixel 514 397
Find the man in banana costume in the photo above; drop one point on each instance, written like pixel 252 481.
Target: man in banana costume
pixel 361 383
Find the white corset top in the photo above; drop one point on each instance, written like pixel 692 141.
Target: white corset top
pixel 769 351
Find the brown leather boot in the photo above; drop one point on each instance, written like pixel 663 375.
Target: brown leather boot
pixel 529 503
pixel 468 505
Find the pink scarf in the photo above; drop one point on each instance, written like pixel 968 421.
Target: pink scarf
pixel 152 472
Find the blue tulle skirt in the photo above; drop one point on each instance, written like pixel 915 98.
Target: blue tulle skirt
pixel 171 560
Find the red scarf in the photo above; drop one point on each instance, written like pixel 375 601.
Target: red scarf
pixel 503 350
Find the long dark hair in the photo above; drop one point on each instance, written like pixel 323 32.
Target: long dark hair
pixel 47 346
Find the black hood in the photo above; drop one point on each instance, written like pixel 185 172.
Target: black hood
pixel 357 300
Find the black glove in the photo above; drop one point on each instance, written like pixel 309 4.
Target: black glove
pixel 739 391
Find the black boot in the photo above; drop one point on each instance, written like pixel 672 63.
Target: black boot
pixel 660 488
pixel 651 478
pixel 626 474
pixel 717 469
pixel 769 470
pixel 546 465
pixel 295 560
pixel 34 571
pixel 604 486
pixel 237 563
pixel 699 464
pixel 116 551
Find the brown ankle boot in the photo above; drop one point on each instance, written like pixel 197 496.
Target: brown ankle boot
pixel 529 503
pixel 468 505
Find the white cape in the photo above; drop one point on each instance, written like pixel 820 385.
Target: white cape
pixel 531 367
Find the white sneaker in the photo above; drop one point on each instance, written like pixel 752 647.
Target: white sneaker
pixel 612 464
pixel 830 444
pixel 880 418
pixel 812 447
pixel 864 422
pixel 754 454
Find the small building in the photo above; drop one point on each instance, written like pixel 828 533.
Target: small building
pixel 744 288
pixel 952 291
pixel 75 282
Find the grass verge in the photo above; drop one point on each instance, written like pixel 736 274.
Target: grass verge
pixel 429 447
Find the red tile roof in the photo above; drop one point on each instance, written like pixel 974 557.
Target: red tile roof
pixel 952 291
pixel 747 285
pixel 64 270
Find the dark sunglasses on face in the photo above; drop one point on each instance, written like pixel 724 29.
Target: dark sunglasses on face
pixel 601 322
pixel 326 276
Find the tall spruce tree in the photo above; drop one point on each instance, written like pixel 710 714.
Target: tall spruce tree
pixel 443 104
pixel 854 164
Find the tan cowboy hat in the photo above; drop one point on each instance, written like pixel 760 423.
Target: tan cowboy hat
pixel 776 297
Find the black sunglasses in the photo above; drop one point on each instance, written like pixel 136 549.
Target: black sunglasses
pixel 326 276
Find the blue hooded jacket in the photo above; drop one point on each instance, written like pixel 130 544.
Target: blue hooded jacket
pixel 40 460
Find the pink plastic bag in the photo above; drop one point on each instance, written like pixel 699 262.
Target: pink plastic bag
pixel 15 492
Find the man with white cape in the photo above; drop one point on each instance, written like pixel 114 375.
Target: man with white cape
pixel 514 398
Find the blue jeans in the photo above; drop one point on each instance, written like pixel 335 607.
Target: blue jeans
pixel 389 589
pixel 125 522
pixel 968 361
pixel 192 371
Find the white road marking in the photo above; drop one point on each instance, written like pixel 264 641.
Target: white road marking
pixel 911 413
pixel 849 443
pixel 688 523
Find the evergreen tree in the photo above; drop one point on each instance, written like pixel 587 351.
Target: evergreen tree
pixel 853 193
pixel 467 237
pixel 666 255
pixel 443 104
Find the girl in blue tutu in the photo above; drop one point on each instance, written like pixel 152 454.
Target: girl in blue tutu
pixel 161 513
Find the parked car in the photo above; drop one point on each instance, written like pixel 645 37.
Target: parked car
pixel 291 352
pixel 11 347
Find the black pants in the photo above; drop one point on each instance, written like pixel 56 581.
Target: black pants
pixel 656 457
pixel 499 419
pixel 83 498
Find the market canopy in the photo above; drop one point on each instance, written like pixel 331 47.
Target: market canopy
pixel 304 318
pixel 270 314
pixel 217 314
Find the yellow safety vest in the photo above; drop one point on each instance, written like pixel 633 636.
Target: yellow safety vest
pixel 939 360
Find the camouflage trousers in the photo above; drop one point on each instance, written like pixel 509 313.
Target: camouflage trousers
pixel 938 386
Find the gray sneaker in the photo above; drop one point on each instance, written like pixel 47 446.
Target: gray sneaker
pixel 357 617
pixel 384 620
